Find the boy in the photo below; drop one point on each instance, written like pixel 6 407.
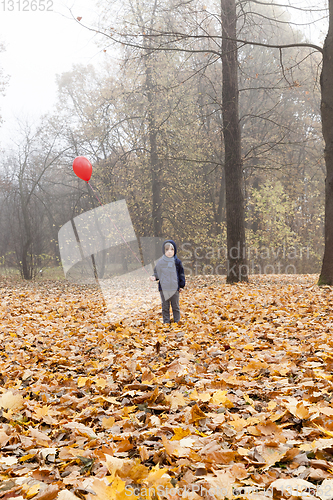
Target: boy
pixel 169 272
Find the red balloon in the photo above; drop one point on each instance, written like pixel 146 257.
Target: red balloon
pixel 82 168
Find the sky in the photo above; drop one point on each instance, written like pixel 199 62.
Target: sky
pixel 39 45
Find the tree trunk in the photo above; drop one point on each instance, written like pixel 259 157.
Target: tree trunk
pixel 156 170
pixel 221 205
pixel 27 269
pixel 326 79
pixel 237 269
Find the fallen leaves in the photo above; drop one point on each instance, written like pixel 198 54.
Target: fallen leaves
pixel 236 400
pixel 10 401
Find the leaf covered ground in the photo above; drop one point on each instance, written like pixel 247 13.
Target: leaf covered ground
pixel 235 401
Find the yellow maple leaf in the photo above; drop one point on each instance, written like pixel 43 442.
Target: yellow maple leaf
pixel 219 398
pixel 299 410
pixel 118 485
pixel 44 412
pixel 243 451
pixel 108 423
pixel 157 476
pixel 100 382
pixel 306 447
pixel 33 491
pixel 255 364
pixel 204 397
pixel 271 405
pixel 108 491
pixel 238 423
pixel 180 433
pixel 11 401
pixel 176 399
pixel 232 380
pixel 138 472
pixel 127 410
pixel 115 464
pixel 81 381
pixel 193 396
pixel 249 347
pixel 271 455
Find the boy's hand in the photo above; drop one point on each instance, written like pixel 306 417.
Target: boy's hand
pixel 152 278
pixel 180 290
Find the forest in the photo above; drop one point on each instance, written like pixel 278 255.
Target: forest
pixel 152 121
pixel 210 124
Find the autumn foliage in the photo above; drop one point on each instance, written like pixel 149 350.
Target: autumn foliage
pixel 235 401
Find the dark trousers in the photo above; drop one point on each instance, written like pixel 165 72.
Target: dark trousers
pixel 174 303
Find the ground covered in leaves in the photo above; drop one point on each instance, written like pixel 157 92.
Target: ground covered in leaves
pixel 235 401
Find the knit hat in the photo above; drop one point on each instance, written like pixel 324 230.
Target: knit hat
pixel 172 243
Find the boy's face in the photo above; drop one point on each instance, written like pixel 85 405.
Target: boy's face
pixel 169 252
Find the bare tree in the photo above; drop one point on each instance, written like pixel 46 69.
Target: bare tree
pixel 326 80
pixel 30 192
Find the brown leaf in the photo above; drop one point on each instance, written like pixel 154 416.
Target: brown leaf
pixel 49 493
pixel 196 414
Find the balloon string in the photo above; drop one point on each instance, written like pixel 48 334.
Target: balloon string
pixel 116 227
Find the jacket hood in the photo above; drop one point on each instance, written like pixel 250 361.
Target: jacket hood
pixel 172 243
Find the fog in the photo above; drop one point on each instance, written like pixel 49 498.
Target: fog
pixel 40 45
